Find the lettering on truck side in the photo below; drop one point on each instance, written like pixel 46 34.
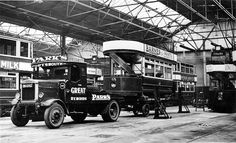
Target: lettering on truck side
pixel 77 90
pixel 101 97
pixel 78 98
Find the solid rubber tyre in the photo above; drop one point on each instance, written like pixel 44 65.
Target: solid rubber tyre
pixel 112 112
pixel 17 118
pixel 145 110
pixel 54 116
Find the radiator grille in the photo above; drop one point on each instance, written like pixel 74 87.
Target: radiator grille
pixel 28 91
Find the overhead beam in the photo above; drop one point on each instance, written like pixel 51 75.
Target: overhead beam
pixel 225 10
pixel 116 17
pixel 160 13
pixel 187 48
pixel 194 11
pixel 200 15
pixel 59 20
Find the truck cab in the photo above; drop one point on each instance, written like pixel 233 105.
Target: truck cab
pixel 59 88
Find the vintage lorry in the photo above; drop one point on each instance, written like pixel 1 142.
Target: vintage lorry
pixel 59 88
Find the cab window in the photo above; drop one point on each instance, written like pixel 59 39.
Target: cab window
pixel 75 73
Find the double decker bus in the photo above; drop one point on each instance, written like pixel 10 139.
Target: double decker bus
pixel 142 75
pixel 185 77
pixel 222 72
pixel 15 65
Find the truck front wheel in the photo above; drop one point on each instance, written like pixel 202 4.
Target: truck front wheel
pixel 54 116
pixel 78 118
pixel 17 117
pixel 111 112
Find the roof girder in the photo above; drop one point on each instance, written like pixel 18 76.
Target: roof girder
pixel 225 10
pixel 125 20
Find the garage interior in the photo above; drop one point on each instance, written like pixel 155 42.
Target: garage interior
pixel 191 29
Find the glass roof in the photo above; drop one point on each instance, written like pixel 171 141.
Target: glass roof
pixel 32 34
pixel 150 11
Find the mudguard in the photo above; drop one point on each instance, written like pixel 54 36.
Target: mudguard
pixel 49 102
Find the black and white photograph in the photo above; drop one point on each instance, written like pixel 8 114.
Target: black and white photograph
pixel 117 71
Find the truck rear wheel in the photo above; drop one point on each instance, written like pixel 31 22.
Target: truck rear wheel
pixel 54 116
pixel 145 110
pixel 78 118
pixel 112 112
pixel 17 117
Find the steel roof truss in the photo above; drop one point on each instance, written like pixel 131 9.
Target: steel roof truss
pixel 124 20
pixel 224 9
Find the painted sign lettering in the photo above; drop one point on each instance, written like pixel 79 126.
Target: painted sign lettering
pixel 158 52
pixel 78 98
pixel 9 65
pixel 101 97
pixel 77 90
pixel 49 58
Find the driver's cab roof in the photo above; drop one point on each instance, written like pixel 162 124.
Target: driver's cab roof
pixel 53 61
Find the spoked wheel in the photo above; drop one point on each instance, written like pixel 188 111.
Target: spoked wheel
pixel 145 110
pixel 17 117
pixel 78 118
pixel 112 112
pixel 54 116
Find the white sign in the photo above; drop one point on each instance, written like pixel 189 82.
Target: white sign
pixel 78 90
pixel 137 47
pixel 101 97
pixel 9 65
pixel 49 58
pixel 222 68
pixel 158 52
pixel 94 71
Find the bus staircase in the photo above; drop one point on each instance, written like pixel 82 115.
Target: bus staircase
pixel 160 110
pixel 121 62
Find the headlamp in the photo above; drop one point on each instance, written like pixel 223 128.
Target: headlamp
pixel 41 94
pixel 113 85
pixel 17 95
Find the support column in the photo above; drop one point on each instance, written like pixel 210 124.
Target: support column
pixel 204 62
pixel 63 44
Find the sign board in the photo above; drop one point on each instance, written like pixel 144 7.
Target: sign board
pixel 137 47
pixel 160 53
pixel 94 71
pixel 221 68
pixel 11 65
pixel 49 58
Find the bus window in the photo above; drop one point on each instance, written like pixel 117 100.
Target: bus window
pixel 187 87
pixel 159 71
pixel 7 47
pixel 23 49
pixel 137 68
pixel 182 69
pixel 168 73
pixel 149 69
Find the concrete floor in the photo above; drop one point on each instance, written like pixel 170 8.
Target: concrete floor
pixel 197 126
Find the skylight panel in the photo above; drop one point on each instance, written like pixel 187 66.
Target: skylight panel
pixel 152 12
